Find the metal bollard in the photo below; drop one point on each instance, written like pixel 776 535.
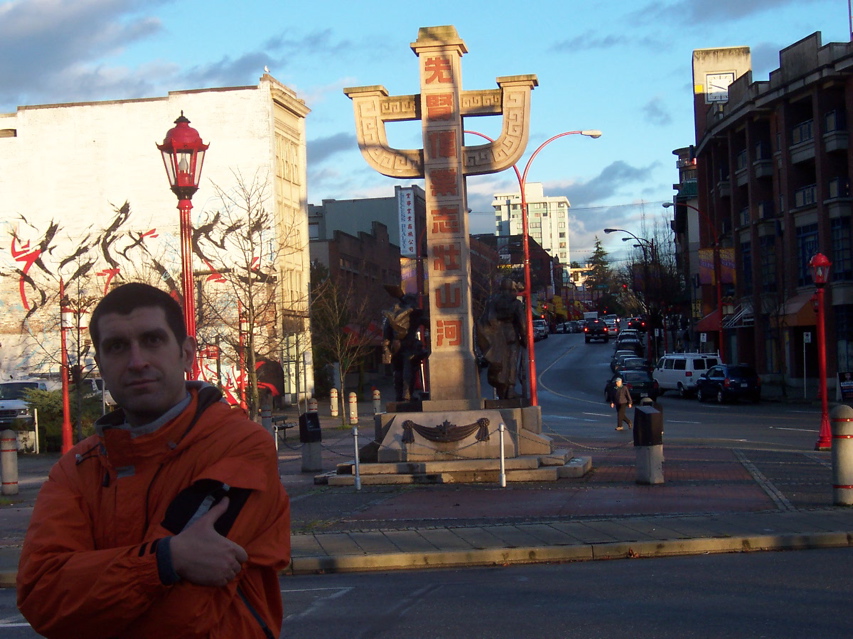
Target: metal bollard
pixel 841 419
pixel 353 408
pixel 648 444
pixel 333 401
pixel 9 461
pixel 377 401
pixel 266 420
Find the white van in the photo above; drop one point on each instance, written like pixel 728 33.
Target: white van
pixel 679 371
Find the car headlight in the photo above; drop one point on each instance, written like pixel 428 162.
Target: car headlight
pixel 23 412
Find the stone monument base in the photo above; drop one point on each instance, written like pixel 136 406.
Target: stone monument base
pixel 458 445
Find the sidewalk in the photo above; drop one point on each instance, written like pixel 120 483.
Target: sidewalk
pixel 713 500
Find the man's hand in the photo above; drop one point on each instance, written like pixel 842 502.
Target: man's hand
pixel 202 556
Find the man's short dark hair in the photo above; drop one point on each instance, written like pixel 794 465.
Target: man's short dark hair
pixel 127 298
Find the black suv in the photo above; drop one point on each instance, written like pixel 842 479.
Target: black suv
pixel 595 329
pixel 726 382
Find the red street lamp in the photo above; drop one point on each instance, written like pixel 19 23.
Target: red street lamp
pixel 525 235
pixel 717 274
pixel 819 265
pixel 183 156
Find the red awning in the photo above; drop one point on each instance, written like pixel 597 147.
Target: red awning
pixel 799 310
pixel 709 324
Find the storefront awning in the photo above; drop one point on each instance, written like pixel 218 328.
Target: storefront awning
pixel 708 324
pixel 799 310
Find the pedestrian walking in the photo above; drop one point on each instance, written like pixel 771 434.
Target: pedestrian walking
pixel 620 399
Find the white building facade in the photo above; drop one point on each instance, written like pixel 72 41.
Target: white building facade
pixel 548 219
pixel 74 174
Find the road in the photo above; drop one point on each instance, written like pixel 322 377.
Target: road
pixel 774 595
pixel 571 377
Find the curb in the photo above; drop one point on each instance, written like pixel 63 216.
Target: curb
pixel 583 552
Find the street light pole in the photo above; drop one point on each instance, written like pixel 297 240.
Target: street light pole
pixel 717 275
pixel 643 243
pixel 820 274
pixel 525 236
pixel 183 157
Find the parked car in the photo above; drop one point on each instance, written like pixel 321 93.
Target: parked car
pixel 619 357
pixel 633 363
pixel 680 371
pixel 729 382
pixel 596 329
pixel 574 326
pixel 14 411
pixel 634 344
pixel 637 323
pixel 640 384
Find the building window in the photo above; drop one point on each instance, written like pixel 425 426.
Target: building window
pixel 842 259
pixel 746 262
pixel 807 246
pixel 768 263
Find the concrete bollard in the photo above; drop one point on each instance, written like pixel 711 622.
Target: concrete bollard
pixel 841 419
pixel 333 402
pixel 9 461
pixel 312 405
pixel 353 408
pixel 377 401
pixel 648 444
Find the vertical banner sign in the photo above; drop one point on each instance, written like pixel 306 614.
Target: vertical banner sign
pixel 406 213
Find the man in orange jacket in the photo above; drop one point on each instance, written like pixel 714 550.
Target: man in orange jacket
pixel 171 521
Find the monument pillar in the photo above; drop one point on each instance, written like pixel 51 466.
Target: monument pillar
pixel 444 163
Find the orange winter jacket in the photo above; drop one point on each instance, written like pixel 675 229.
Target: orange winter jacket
pixel 90 565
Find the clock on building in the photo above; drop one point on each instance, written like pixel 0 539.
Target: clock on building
pixel 717 86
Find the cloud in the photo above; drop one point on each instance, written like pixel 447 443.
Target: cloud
pixel 613 179
pixel 696 13
pixel 656 113
pixel 322 149
pixel 591 40
pixel 53 47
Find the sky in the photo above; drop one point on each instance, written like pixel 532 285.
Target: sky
pixel 619 66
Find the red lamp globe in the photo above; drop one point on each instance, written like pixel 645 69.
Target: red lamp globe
pixel 183 157
pixel 819 265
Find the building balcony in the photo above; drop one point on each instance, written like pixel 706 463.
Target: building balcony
pixel 835 141
pixel 763 168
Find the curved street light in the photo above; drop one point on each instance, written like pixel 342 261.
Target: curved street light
pixel 643 243
pixel 522 182
pixel 717 273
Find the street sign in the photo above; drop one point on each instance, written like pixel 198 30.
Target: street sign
pixel 807 337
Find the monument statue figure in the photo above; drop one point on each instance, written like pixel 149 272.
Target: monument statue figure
pixel 402 345
pixel 501 336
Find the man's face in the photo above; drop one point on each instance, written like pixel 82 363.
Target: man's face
pixel 142 363
pixel 618 383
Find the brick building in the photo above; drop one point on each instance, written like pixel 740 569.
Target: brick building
pixel 770 188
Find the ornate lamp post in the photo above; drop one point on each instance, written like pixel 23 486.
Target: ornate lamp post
pixel 183 156
pixel 717 274
pixel 819 265
pixel 525 235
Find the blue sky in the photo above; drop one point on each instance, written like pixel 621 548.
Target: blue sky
pixel 622 66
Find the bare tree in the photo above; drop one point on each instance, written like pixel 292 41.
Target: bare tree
pixel 246 249
pixel 340 320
